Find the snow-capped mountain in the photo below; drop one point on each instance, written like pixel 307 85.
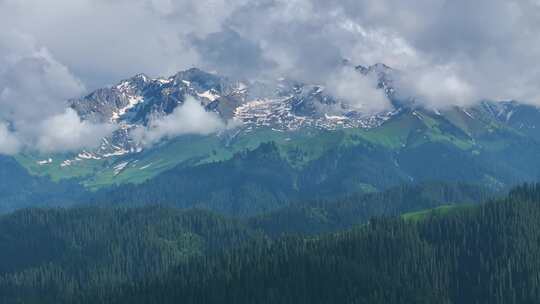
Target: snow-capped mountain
pixel 282 104
pixel 310 125
pixel 138 100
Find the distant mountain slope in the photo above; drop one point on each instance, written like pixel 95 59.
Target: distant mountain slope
pixel 19 189
pixel 414 146
pixel 284 105
pixel 275 111
pixel 228 174
pixel 323 147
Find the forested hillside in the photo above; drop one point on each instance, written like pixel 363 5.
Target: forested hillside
pixel 488 254
pixel 323 216
pixel 482 254
pixel 65 254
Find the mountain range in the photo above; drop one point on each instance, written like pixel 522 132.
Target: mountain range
pixel 290 141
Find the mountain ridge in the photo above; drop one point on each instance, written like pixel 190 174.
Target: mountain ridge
pixel 481 140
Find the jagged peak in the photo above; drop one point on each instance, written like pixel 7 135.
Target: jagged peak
pixel 380 67
pixel 195 73
pixel 136 78
pixel 377 68
pixel 141 76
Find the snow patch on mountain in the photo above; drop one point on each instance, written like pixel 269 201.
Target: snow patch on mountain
pixel 117 169
pixel 210 95
pixel 45 162
pixel 132 102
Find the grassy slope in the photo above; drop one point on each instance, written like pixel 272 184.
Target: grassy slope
pixel 55 171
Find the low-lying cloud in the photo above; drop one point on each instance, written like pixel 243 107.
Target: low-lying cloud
pixel 357 91
pixel 188 118
pixel 436 87
pixel 67 132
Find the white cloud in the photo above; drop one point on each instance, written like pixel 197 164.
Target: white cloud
pixel 188 118
pixel 103 41
pixel 437 87
pixel 67 132
pixel 490 45
pixel 379 46
pixel 357 91
pixel 34 88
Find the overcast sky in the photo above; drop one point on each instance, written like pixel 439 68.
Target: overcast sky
pixel 451 52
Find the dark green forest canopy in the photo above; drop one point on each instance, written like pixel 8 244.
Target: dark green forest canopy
pixel 322 216
pixel 484 254
pixel 61 253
